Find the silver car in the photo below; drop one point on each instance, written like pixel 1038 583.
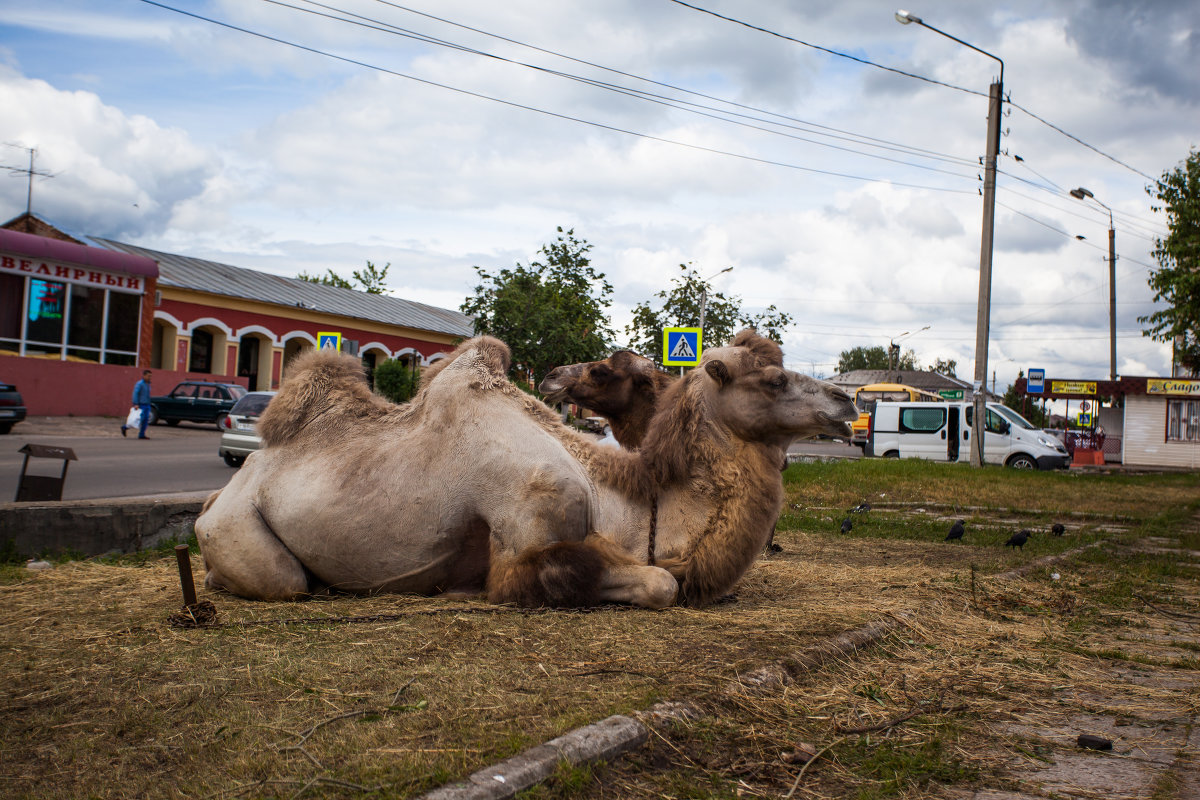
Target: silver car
pixel 239 433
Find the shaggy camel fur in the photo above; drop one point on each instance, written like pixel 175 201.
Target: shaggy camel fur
pixel 475 486
pixel 623 388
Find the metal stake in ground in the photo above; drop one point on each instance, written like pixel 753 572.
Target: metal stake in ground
pixel 184 558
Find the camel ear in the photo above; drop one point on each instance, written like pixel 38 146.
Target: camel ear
pixel 717 370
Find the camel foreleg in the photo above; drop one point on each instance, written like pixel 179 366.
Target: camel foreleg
pixel 243 555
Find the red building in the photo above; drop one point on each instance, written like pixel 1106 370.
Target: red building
pixel 80 317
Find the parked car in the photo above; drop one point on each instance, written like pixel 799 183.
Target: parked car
pixel 195 401
pixel 12 407
pixel 239 434
pixel 943 431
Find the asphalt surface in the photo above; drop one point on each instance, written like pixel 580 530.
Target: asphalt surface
pixel 172 460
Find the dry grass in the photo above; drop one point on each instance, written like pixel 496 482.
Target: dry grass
pixel 102 699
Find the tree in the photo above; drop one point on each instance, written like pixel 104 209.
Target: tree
pixel 1177 281
pixel 680 308
pixel 549 313
pixel 369 280
pixel 1026 407
pixel 857 358
pixel 946 367
pixel 397 381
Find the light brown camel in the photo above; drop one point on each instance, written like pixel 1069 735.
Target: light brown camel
pixel 475 486
pixel 623 388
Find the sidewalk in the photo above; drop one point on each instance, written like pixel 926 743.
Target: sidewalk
pixel 100 427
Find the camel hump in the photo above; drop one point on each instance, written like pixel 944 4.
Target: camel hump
pixel 487 352
pixel 767 352
pixel 316 382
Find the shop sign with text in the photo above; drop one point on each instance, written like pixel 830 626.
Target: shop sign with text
pixel 69 273
pixel 1172 386
pixel 1072 387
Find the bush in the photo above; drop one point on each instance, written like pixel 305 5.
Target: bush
pixel 397 381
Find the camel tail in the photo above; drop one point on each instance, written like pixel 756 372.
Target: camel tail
pixel 322 389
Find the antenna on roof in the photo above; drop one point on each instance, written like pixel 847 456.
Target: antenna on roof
pixel 30 171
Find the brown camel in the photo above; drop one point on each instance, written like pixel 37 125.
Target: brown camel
pixel 477 487
pixel 623 388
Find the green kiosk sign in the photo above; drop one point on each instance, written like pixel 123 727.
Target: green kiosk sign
pixel 950 394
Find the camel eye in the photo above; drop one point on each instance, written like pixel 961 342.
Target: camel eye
pixel 778 382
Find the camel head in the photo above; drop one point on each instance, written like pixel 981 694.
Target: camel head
pixel 609 387
pixel 753 395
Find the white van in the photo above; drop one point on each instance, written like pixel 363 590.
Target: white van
pixel 942 432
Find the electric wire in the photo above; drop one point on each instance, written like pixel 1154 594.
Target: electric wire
pixel 852 136
pixel 828 50
pixel 546 112
pixel 867 62
pixel 709 112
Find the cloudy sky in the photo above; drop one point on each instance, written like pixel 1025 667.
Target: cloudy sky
pixel 294 135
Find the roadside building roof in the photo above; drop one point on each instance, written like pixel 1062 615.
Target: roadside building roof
pixel 34 246
pixel 212 277
pixel 918 379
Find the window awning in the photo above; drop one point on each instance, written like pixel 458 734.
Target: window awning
pixel 43 248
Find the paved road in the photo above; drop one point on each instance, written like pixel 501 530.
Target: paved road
pixel 173 459
pixel 182 459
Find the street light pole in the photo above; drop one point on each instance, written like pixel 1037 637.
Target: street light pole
pixel 983 320
pixel 1080 194
pixel 704 297
pixel 894 353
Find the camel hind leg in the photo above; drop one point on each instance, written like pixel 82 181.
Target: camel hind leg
pixel 243 555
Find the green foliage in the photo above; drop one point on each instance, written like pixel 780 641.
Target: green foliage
pixel 946 367
pixel 397 381
pixel 370 280
pixel 330 278
pixel 1031 411
pixel 680 307
pixel 1177 281
pixel 874 358
pixel 551 312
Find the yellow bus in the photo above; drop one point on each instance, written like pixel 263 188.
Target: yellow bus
pixel 867 396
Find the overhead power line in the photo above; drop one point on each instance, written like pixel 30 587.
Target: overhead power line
pixel 870 63
pixel 545 112
pixel 710 112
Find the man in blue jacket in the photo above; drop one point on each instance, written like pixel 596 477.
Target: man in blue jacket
pixel 141 399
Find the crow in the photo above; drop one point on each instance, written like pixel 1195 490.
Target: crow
pixel 1058 529
pixel 861 508
pixel 956 531
pixel 847 525
pixel 1018 539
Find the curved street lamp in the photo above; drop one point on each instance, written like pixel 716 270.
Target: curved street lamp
pixel 995 98
pixel 1083 194
pixel 704 295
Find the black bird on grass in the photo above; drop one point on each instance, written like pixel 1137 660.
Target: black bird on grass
pixel 847 525
pixel 861 508
pixel 1018 539
pixel 1058 529
pixel 956 531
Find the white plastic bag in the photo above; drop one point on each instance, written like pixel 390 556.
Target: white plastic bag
pixel 134 419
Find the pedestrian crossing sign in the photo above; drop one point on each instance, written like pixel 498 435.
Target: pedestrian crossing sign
pixel 681 346
pixel 329 341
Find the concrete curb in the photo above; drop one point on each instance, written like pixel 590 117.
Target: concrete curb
pixel 601 740
pixel 96 527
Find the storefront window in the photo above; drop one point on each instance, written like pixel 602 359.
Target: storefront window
pixel 47 309
pixel 38 317
pixel 1183 420
pixel 123 321
pixel 12 290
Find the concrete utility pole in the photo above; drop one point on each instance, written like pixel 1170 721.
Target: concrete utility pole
pixel 983 321
pixel 1080 194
